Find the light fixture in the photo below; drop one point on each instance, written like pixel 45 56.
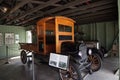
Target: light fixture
pixel 4 9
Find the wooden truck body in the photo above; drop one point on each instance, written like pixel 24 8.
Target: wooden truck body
pixel 50 33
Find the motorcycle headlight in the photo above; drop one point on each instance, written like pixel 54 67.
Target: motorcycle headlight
pixel 89 51
pixel 80 53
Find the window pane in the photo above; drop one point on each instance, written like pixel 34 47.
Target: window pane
pixel 64 28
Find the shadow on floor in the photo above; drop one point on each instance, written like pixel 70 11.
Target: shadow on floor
pixel 17 71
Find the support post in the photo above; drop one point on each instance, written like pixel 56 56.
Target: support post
pixel 7 61
pixel 33 67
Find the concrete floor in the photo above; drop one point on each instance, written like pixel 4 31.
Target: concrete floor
pixel 15 70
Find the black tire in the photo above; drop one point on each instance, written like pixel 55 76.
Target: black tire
pixel 23 57
pixel 96 62
pixel 72 74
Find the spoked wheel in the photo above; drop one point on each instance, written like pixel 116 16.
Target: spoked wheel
pixel 72 74
pixel 23 57
pixel 96 62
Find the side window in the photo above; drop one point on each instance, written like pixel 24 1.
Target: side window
pixel 64 28
pixel 28 37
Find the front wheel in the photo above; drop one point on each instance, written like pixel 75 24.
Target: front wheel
pixel 71 74
pixel 23 57
pixel 96 62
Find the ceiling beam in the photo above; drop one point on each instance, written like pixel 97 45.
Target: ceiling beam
pixel 97 17
pixel 95 9
pixel 79 17
pixel 107 11
pixel 22 3
pixel 59 8
pixel 96 20
pixel 76 2
pixel 39 2
pixel 91 5
pixel 25 21
pixel 50 2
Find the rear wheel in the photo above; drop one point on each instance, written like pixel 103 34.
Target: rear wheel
pixel 72 74
pixel 96 62
pixel 23 56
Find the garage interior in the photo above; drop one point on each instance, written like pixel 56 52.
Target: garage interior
pixel 95 20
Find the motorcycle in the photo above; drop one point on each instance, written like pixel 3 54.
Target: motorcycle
pixel 81 61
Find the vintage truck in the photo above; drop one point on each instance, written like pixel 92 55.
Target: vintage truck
pixel 50 33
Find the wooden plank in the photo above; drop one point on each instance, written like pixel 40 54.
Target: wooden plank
pixel 76 2
pixel 92 10
pixel 50 2
pixel 96 13
pixel 37 2
pixel 82 13
pixel 25 21
pixel 23 2
pixel 58 8
pixel 95 4
pixel 100 18
pixel 19 5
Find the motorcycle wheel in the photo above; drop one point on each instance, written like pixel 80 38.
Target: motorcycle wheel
pixel 72 74
pixel 96 62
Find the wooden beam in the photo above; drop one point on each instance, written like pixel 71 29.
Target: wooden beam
pixel 57 5
pixel 85 7
pixel 15 8
pixel 99 3
pixel 23 2
pixel 95 9
pixel 37 2
pixel 50 2
pixel 32 22
pixel 97 18
pixel 107 11
pixel 23 22
pixel 59 8
pixel 76 2
pixel 79 17
pixel 19 5
pixel 30 5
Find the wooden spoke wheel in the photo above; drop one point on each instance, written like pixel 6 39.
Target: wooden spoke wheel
pixel 96 62
pixel 72 74
pixel 23 57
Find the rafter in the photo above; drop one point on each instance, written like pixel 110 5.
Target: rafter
pixel 91 5
pixel 102 19
pixel 23 22
pixel 60 8
pixel 19 5
pixel 23 2
pixel 35 9
pixel 99 17
pixel 39 2
pixel 92 10
pixel 66 6
pixel 107 11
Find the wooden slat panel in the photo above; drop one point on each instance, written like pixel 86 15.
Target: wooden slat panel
pixel 34 10
pixel 16 8
pixel 91 5
pixel 107 11
pixel 92 10
pixel 72 4
pixel 100 18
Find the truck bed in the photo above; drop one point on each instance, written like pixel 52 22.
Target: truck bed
pixel 29 47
